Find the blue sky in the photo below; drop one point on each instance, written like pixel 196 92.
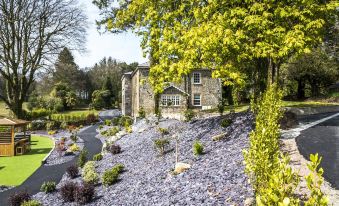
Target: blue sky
pixel 123 47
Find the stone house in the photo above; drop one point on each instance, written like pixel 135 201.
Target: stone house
pixel 198 91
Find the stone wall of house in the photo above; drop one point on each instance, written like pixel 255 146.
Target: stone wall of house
pixel 146 92
pixel 135 93
pixel 126 105
pixel 210 90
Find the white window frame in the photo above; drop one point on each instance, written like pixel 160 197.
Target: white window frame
pixel 196 76
pixel 194 99
pixel 174 99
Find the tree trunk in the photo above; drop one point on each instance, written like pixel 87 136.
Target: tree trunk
pixel 301 89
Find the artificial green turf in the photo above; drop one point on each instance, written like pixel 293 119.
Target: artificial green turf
pixel 15 170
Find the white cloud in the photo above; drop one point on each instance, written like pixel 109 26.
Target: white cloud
pixel 123 47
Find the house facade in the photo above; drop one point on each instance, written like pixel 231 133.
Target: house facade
pixel 198 91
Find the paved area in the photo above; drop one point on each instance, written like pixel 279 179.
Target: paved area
pixel 55 172
pixel 322 138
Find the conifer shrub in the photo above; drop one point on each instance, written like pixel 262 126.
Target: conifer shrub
pixel 97 157
pixel 110 177
pixel 198 148
pixel 89 173
pixel 48 187
pixel 82 158
pixel 72 171
pixel 119 168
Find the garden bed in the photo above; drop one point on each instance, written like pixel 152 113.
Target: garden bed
pixel 216 177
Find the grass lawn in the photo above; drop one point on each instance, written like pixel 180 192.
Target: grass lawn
pixel 307 104
pixel 15 170
pixel 79 112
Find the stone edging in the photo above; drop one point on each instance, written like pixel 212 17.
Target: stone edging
pixel 50 152
pixel 300 111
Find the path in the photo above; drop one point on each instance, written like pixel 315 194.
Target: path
pixel 55 172
pixel 319 133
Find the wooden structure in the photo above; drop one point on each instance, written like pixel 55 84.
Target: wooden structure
pixel 14 139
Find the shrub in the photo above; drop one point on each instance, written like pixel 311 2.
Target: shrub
pixel 74 148
pixel 39 113
pixel 37 125
pixel 82 158
pixel 31 203
pixel 74 137
pixel 314 180
pixel 72 171
pixel 226 122
pixel 89 174
pixel 119 168
pixel 101 127
pixel 163 131
pixel 221 106
pixel 52 125
pixel 189 114
pixel 52 132
pixel 107 122
pixel 64 125
pixel 48 187
pixel 67 191
pixel 110 177
pixel 84 193
pixel 97 157
pixel 91 118
pixel 113 149
pixel 142 113
pixel 115 121
pixel 272 179
pixel 125 121
pixel 198 148
pixel 161 144
pixel 18 198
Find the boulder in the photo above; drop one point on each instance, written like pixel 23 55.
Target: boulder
pixel 181 167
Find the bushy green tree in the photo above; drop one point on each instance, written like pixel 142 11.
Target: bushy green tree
pixel 101 99
pixel 316 70
pixel 221 35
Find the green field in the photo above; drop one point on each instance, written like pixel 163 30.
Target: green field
pixel 307 104
pixel 15 170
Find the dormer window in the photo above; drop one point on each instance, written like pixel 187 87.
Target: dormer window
pixel 196 78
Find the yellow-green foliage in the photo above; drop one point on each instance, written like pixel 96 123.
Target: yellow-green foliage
pixel 314 181
pixel 74 148
pixel 89 173
pixel 271 177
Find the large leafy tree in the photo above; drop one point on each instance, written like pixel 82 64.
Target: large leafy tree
pixel 317 69
pixel 180 36
pixel 32 31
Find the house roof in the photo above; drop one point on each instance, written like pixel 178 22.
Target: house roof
pixel 13 122
pixel 145 65
pixel 177 88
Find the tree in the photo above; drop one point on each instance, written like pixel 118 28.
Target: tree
pixel 225 36
pixel 67 71
pixel 317 69
pixel 32 31
pixel 109 70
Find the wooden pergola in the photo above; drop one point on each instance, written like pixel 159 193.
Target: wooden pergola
pixel 14 139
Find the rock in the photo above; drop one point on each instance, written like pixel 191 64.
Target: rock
pixel 250 201
pixel 289 120
pixel 219 137
pixel 181 167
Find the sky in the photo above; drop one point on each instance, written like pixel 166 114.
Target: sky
pixel 123 47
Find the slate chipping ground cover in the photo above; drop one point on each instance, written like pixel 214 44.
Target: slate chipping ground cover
pixel 215 178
